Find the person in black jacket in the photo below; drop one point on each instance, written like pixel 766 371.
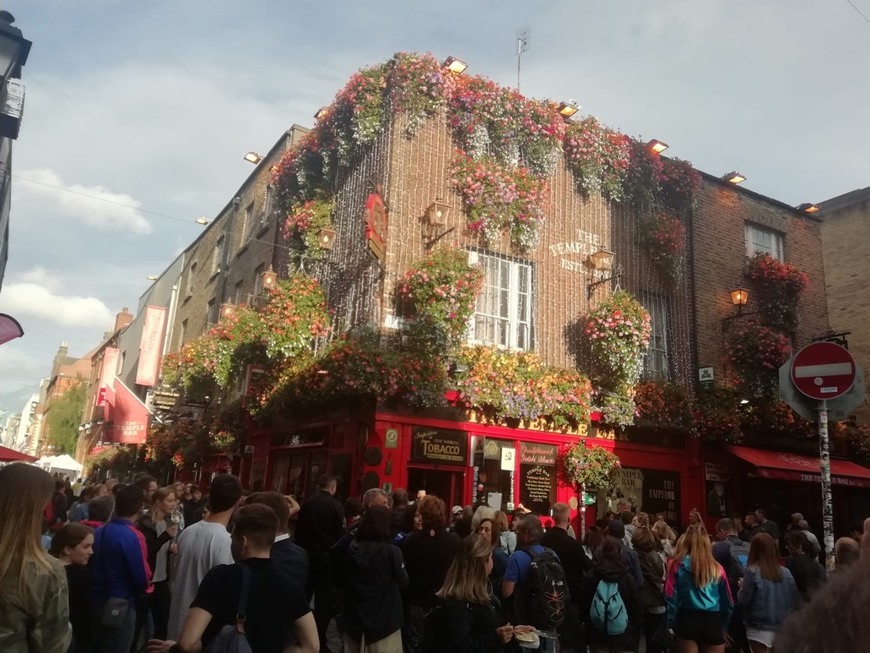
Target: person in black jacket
pixel 160 525
pixel 465 619
pixel 73 545
pixel 611 566
pixel 373 578
pixel 808 573
pixel 288 557
pixel 319 526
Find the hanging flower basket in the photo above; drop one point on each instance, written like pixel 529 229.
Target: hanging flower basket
pixel 588 467
pixel 663 238
pixel 755 353
pixel 679 183
pixel 618 332
pixel 598 158
pixel 779 287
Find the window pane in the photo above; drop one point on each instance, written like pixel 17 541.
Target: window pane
pixel 505 298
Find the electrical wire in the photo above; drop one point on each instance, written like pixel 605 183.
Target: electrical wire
pixel 860 13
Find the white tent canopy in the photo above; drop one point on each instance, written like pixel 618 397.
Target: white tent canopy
pixel 64 463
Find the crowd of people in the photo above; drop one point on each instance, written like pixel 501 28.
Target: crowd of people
pixel 118 567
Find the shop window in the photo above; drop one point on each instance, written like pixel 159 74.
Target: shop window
pixel 655 364
pixel 762 239
pixel 643 490
pixel 495 462
pixel 504 307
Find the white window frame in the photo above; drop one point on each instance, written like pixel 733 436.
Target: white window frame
pixel 754 236
pixel 515 327
pixel 191 273
pixel 220 254
pixel 247 225
pixel 656 362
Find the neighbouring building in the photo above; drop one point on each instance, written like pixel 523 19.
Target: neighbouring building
pixel 10 430
pixel 66 372
pixel 845 227
pixel 396 190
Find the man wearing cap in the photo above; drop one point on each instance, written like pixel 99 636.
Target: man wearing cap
pixel 616 531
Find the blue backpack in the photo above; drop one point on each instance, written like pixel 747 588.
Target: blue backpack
pixel 608 613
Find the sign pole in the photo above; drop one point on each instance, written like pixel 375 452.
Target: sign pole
pixel 827 501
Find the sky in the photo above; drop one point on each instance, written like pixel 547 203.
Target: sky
pixel 151 106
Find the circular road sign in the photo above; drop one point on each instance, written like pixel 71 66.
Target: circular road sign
pixel 823 370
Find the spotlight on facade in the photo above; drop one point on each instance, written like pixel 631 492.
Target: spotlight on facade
pixel 322 112
pixel 569 108
pixel 455 66
pixel 807 207
pixel 253 157
pixel 202 221
pixel 734 178
pixel 657 146
pixel 151 277
pixel 739 296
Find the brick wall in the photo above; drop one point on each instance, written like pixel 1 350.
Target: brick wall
pixel 847 250
pixel 720 259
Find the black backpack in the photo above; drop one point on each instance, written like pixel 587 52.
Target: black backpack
pixel 545 595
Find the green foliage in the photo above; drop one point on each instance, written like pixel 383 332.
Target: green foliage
pixel 589 467
pixel 64 417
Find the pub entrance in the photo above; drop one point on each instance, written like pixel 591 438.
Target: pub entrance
pixel 446 484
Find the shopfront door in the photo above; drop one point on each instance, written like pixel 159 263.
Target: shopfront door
pixel 445 484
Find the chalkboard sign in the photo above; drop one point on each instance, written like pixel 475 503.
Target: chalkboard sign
pixel 439 447
pixel 537 487
pixel 538 454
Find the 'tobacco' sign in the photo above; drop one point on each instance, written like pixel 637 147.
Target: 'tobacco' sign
pixel 823 370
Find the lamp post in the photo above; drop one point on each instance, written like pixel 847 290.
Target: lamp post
pixel 14 50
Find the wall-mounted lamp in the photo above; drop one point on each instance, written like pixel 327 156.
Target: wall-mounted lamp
pixel 202 221
pixel 657 146
pixel 455 66
pixel 602 260
pixel 268 279
pixel 322 112
pixel 326 238
pixel 434 222
pixel 734 177
pixel 227 309
pixel 808 207
pixel 151 277
pixel 569 108
pixel 739 297
pixel 253 157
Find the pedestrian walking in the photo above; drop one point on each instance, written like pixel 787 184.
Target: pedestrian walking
pixel 289 558
pixel 807 572
pixel 120 575
pixel 201 547
pixel 767 595
pixel 73 546
pixel 34 601
pixel 160 525
pixel 696 591
pixel 250 595
pixel 652 566
pixel 464 617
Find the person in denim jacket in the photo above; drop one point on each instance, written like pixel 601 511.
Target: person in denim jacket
pixel 768 593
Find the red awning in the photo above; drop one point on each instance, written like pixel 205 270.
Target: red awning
pixel 8 455
pixel 795 467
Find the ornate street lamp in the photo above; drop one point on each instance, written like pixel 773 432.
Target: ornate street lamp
pixel 14 49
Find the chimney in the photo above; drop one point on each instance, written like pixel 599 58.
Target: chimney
pixel 123 319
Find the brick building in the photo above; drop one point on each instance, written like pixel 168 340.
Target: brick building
pixel 532 301
pixel 66 372
pixel 845 226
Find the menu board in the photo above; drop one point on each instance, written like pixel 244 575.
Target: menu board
pixel 537 487
pixel 439 446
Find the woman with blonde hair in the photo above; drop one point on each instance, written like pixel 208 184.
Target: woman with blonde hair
pixel 507 539
pixel 465 618
pixel 161 526
pixel 696 591
pixel 34 600
pixel 666 536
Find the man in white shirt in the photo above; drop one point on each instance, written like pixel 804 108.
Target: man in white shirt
pixel 202 546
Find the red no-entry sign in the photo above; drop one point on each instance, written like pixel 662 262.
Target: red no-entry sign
pixel 823 370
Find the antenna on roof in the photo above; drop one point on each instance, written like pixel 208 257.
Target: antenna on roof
pixel 524 39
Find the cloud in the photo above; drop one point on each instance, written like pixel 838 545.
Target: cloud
pixel 96 206
pixel 42 277
pixel 36 300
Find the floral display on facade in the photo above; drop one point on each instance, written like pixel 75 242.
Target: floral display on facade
pixel 755 353
pixel 498 199
pixel 303 225
pixel 588 466
pixel 662 405
pixel 779 287
pixel 598 157
pixel 518 386
pixel 679 183
pixel 663 238
pixel 440 293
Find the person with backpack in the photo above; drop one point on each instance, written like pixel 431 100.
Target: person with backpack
pixel 733 554
pixel 465 618
pixel 248 606
pixel 697 594
pixel 611 602
pixel 535 585
pixel 768 594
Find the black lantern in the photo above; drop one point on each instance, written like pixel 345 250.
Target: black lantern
pixel 14 49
